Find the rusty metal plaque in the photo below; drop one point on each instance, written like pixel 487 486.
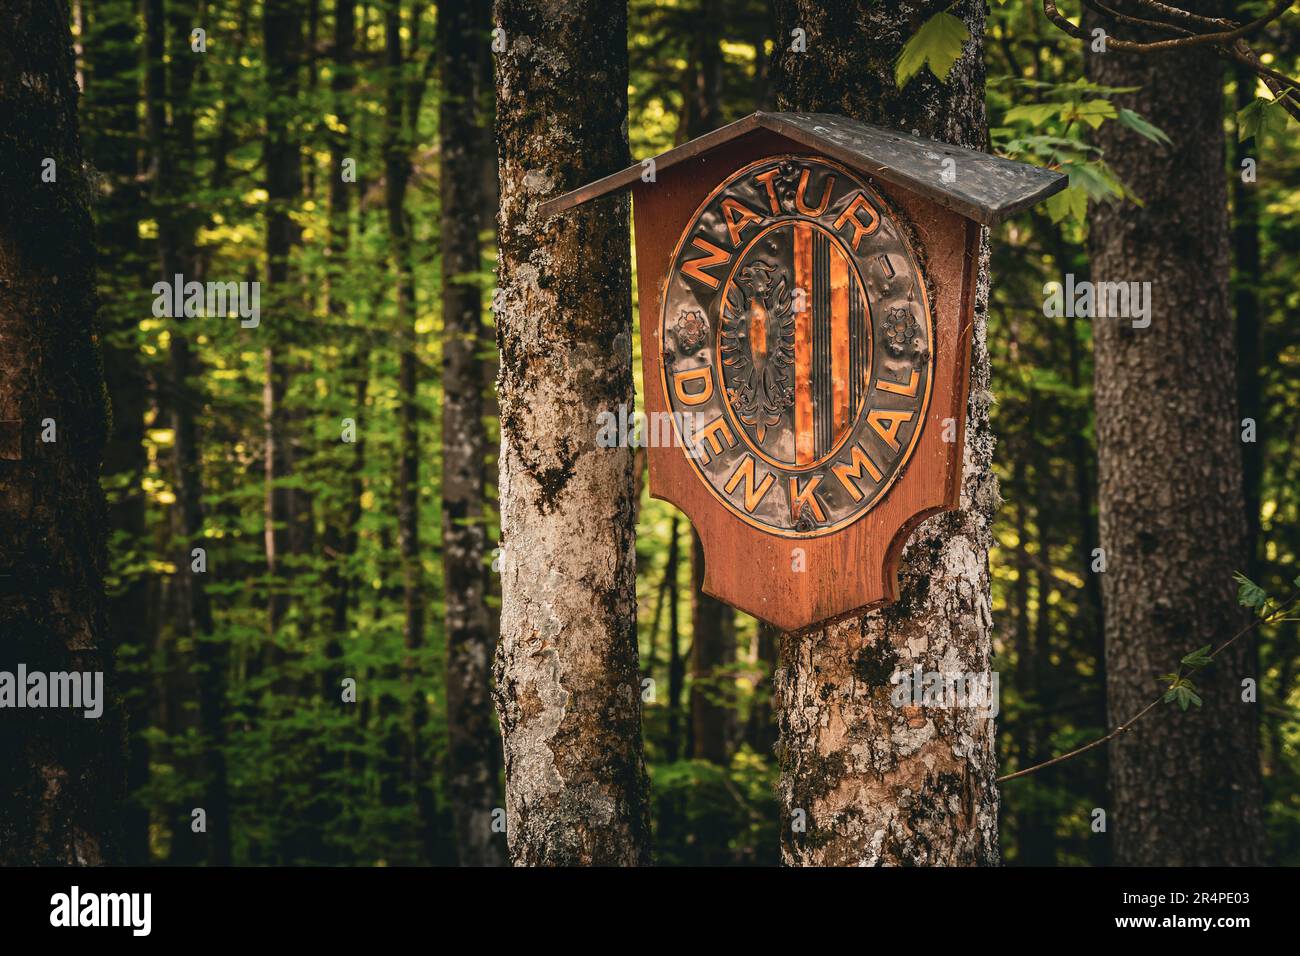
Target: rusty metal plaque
pixel 797 345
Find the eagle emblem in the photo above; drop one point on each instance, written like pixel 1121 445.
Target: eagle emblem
pixel 758 346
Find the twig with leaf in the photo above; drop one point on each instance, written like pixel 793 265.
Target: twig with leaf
pixel 1180 689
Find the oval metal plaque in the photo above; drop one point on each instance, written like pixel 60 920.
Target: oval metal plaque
pixel 797 345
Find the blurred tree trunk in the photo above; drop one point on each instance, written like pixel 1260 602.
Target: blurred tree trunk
pixel 761 732
pixel 567 681
pixel 1040 823
pixel 112 99
pixel 1023 727
pixel 341 534
pixel 676 666
pixel 1185 787
pixel 874 788
pixel 713 624
pixel 474 747
pixel 1246 284
pixel 63 773
pixel 713 651
pixel 402 92
pixel 169 92
pixel 282 40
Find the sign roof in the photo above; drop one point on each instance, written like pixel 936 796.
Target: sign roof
pixel 979 186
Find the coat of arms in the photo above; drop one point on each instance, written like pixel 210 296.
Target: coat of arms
pixel 809 380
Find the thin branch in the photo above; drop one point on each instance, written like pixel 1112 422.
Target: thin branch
pixel 1052 13
pixel 1128 724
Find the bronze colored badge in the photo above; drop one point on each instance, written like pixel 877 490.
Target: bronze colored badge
pixel 816 377
pixel 797 345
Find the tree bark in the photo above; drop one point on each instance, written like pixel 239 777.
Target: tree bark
pixel 1185 786
pixel 474 747
pixel 63 777
pixel 567 681
pixel 879 784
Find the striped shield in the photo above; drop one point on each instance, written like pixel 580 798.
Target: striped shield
pixel 829 338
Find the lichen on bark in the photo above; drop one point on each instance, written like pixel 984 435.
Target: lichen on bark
pixel 880 784
pixel 567 679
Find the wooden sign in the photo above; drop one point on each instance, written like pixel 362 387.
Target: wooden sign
pixel 806 296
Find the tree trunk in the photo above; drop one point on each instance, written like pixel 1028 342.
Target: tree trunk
pixel 401 103
pixel 761 731
pixel 474 747
pixel 879 784
pixel 676 666
pixel 1247 280
pixel 282 39
pixel 1185 786
pixel 113 138
pixel 341 534
pixel 713 624
pixel 713 650
pixel 63 776
pixel 171 145
pixel 567 681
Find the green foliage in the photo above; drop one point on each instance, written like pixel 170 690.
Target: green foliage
pixel 937 45
pixel 1262 119
pixel 694 799
pixel 313 781
pixel 1054 133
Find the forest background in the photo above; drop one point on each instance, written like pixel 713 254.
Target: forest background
pixel 337 462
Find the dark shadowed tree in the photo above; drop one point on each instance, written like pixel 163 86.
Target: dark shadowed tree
pixel 113 141
pixel 282 40
pixel 474 747
pixel 169 83
pixel 63 773
pixel 1185 786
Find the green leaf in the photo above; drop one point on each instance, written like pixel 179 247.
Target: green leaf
pixel 937 44
pixel 1136 123
pixel 1249 594
pixel 1260 118
pixel 1198 658
pixel 1093 112
pixel 1036 114
pixel 1071 203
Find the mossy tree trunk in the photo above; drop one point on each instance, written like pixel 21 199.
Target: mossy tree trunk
pixel 567 680
pixel 878 784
